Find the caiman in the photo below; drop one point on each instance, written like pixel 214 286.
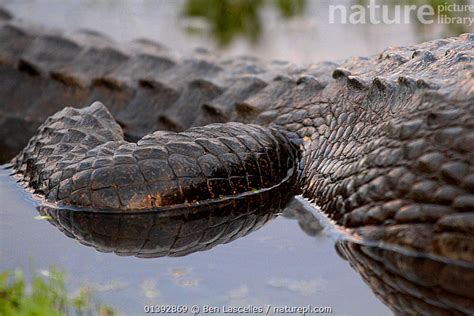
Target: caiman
pixel 383 145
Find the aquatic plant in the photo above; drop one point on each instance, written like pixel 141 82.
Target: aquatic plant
pixel 228 19
pixel 45 294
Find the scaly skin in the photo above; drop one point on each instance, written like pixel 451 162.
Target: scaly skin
pixel 145 87
pixel 79 158
pixel 408 284
pixel 412 285
pixel 387 140
pixel 177 232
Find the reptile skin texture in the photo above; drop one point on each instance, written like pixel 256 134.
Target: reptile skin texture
pixel 79 158
pixel 176 232
pixel 407 283
pixel 412 285
pixel 383 144
pixel 140 151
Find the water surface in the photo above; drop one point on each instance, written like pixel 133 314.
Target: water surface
pixel 304 39
pixel 278 265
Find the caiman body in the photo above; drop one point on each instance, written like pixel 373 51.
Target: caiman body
pixel 383 145
pixel 387 141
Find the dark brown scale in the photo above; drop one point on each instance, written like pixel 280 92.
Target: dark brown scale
pixel 382 144
pixel 173 232
pixel 154 173
pixel 405 283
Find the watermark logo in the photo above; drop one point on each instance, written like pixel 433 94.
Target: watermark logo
pixel 376 13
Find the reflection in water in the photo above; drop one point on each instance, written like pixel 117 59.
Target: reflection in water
pixel 177 232
pixel 228 19
pixel 413 285
pixel 307 221
pixel 407 283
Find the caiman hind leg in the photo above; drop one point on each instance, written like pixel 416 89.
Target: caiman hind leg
pixel 79 158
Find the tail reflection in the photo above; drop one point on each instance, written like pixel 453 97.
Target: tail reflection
pixel 174 233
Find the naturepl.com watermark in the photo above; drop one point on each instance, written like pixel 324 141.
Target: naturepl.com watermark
pixel 374 12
